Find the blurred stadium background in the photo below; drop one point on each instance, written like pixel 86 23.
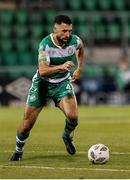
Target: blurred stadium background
pixel 104 26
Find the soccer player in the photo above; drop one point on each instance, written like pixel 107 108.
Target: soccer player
pixel 53 81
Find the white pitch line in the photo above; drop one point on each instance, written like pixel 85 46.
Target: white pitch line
pixel 65 168
pixel 60 152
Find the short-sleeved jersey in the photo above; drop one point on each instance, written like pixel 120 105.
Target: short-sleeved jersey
pixel 57 55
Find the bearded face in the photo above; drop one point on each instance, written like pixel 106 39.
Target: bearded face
pixel 62 32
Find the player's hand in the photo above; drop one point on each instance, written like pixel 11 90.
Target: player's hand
pixel 67 65
pixel 76 75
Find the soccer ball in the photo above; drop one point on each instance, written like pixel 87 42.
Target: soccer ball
pixel 98 154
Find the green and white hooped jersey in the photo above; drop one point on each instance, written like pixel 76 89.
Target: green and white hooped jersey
pixel 57 55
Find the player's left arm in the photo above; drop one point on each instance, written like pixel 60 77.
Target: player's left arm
pixel 80 58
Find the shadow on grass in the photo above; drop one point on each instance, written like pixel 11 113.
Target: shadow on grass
pixel 52 158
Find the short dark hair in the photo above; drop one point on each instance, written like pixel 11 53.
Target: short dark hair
pixel 62 19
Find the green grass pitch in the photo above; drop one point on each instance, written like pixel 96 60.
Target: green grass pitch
pixel 45 156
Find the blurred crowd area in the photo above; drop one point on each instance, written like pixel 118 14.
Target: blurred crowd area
pixel 103 25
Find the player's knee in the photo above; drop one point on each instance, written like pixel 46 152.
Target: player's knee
pixel 73 116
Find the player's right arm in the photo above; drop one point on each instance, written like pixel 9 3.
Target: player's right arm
pixel 46 70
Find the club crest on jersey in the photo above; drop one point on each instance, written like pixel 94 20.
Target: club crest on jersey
pixel 70 50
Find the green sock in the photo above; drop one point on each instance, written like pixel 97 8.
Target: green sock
pixel 20 141
pixel 69 127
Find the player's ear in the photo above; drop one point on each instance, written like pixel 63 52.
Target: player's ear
pixel 54 29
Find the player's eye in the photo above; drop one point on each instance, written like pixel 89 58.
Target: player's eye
pixel 64 31
pixel 70 31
